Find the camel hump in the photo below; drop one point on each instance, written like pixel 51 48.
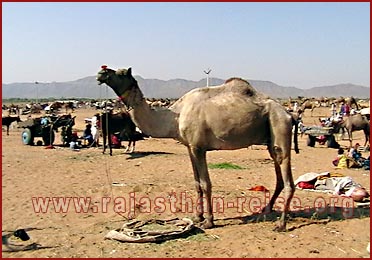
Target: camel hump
pixel 237 80
pixel 241 85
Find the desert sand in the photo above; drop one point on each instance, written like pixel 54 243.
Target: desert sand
pixel 160 168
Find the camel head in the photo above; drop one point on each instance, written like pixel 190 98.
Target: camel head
pixel 120 81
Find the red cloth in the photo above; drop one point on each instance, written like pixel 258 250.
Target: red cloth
pixel 305 185
pixel 259 188
pixel 115 140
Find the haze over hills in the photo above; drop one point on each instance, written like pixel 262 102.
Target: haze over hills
pixel 154 88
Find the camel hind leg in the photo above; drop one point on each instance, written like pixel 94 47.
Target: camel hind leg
pixel 279 184
pixel 284 180
pixel 203 186
pixel 280 151
pixel 133 147
pixel 127 148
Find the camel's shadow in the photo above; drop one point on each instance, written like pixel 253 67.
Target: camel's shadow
pixel 300 218
pixel 136 155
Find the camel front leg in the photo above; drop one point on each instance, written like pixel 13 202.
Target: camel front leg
pixel 104 136
pixel 109 142
pixel 203 186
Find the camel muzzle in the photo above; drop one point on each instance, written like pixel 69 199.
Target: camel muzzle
pixel 100 80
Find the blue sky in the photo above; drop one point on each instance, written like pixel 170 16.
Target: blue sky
pixel 292 44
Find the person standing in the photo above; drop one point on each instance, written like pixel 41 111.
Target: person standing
pixel 333 109
pixel 342 109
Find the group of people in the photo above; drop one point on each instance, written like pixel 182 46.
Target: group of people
pixel 352 159
pixel 90 135
pixel 345 110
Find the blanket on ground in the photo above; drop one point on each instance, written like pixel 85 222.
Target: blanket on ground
pixel 335 183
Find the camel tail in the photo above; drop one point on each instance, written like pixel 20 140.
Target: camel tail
pixel 295 135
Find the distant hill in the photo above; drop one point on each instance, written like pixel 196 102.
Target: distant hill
pixel 88 88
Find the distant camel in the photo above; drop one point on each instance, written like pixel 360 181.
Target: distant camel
pixel 121 124
pixel 307 104
pixel 32 109
pixel 324 101
pixel 354 123
pixel 69 105
pixel 7 120
pixel 350 101
pixel 12 109
pixel 226 117
pixel 57 105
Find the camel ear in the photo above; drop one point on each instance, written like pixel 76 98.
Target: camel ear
pixel 129 72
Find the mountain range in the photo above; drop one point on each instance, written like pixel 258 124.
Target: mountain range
pixel 154 88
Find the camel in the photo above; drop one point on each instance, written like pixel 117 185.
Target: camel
pixel 350 101
pixel 35 108
pixel 354 123
pixel 363 103
pixel 69 105
pixel 119 123
pixel 57 105
pixel 308 104
pixel 324 101
pixel 12 109
pixel 226 117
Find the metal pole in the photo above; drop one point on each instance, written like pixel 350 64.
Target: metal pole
pixel 207 72
pixel 37 92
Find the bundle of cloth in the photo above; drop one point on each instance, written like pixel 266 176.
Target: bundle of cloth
pixel 335 183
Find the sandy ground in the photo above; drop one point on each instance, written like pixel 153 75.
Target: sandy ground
pixel 160 168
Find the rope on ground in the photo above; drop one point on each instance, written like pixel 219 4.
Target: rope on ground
pixel 135 232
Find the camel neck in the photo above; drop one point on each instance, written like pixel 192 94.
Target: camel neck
pixel 131 97
pixel 155 123
pixel 160 123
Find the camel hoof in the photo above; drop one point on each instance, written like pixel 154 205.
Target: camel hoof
pixel 266 210
pixel 280 228
pixel 197 219
pixel 206 224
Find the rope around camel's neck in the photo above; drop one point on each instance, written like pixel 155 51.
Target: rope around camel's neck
pixel 132 97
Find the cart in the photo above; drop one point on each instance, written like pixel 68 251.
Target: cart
pixel 44 127
pixel 321 134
